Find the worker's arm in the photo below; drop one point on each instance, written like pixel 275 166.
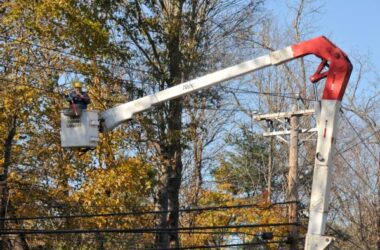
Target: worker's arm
pixel 78 97
pixel 70 97
pixel 85 98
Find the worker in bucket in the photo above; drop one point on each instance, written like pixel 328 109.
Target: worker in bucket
pixel 78 99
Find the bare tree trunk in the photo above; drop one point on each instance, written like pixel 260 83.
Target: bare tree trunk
pixel 5 168
pixel 100 239
pixel 170 180
pixel 161 200
pixel 174 48
pixel 197 169
pixel 171 151
pixel 17 241
pixel 196 177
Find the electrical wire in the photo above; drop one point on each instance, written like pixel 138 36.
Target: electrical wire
pixel 353 169
pixel 241 91
pixel 138 230
pixel 188 210
pixel 338 233
pixel 97 240
pixel 346 161
pixel 7 38
pixel 227 245
pixel 279 95
pixel 30 86
pixel 360 138
pixel 257 235
pixel 360 142
pixel 70 71
pixel 236 232
pixel 340 153
pixel 286 95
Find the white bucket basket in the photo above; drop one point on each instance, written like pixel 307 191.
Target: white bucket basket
pixel 80 132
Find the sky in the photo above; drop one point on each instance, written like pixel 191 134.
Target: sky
pixel 352 25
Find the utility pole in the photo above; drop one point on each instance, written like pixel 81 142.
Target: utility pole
pixel 270 170
pixel 292 191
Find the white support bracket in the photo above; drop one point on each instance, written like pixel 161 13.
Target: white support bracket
pixel 284 114
pixel 318 242
pixel 287 132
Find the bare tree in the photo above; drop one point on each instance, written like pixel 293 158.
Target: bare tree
pixel 358 170
pixel 174 40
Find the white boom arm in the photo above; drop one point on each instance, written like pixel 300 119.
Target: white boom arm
pixel 327 122
pixel 117 115
pixel 83 133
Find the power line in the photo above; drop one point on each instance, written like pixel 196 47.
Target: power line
pixel 352 168
pixel 360 138
pixel 97 240
pixel 137 230
pixel 259 235
pixel 282 95
pixel 188 210
pixel 206 108
pixel 70 54
pixel 241 91
pixel 227 245
pixel 337 233
pixel 360 142
pixel 236 232
pixel 30 86
pixel 340 153
pixel 349 240
pixel 140 244
pixel 71 71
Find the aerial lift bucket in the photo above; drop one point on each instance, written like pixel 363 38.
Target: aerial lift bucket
pixel 80 132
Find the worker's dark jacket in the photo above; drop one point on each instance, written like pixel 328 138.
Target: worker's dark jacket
pixel 80 102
